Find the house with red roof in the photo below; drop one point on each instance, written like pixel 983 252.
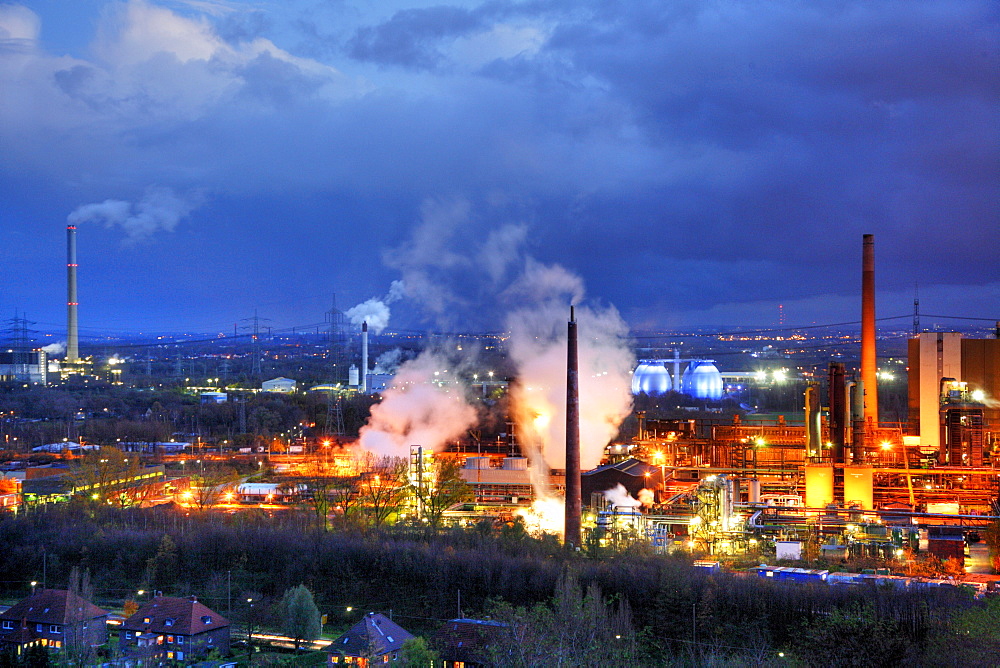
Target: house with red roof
pixel 53 618
pixel 175 629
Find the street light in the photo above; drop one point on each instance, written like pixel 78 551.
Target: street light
pixel 250 632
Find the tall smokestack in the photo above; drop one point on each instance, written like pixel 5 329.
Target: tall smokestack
pixel 573 501
pixel 869 366
pixel 72 328
pixel 364 357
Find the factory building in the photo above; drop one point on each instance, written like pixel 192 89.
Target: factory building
pixel 24 367
pixel 972 367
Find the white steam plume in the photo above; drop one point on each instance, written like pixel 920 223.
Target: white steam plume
pixel 537 346
pixel 376 311
pixel 418 411
pixel 55 348
pixel 619 497
pixel 388 362
pixel 159 209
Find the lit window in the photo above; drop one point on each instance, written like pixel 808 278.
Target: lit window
pixel 170 639
pixel 168 622
pixel 146 620
pixel 180 656
pixel 170 655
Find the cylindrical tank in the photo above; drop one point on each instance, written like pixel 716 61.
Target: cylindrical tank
pixel 650 377
pixel 515 463
pixel 477 462
pixel 858 484
pixel 819 485
pixel 753 490
pixel 353 376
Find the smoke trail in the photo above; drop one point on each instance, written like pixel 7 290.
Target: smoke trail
pixel 376 311
pixel 55 348
pixel 159 209
pixel 619 497
pixel 537 346
pixel 420 408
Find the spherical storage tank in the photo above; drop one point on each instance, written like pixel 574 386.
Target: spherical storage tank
pixel 650 377
pixel 703 380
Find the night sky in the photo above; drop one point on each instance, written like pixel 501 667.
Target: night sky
pixel 694 163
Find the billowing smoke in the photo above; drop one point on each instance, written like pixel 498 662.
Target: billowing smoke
pixel 419 409
pixel 389 361
pixel 537 346
pixel 375 311
pixel 159 209
pixel 619 497
pixel 646 497
pixel 54 348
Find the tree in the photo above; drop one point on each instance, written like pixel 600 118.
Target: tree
pixel 161 570
pixel 383 488
pixel 440 490
pixel 415 653
pixel 300 618
pixel 77 601
pixel 578 629
pixel 110 475
pixel 212 485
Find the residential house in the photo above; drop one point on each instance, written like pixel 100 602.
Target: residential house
pixel 177 629
pixel 374 640
pixel 54 618
pixel 469 643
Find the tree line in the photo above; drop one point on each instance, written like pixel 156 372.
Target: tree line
pixel 665 610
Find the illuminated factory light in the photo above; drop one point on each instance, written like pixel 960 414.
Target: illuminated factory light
pixel 780 375
pixel 886 445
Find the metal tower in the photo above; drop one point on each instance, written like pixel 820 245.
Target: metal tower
pixel 254 327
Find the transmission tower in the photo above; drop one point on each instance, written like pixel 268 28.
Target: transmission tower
pixel 338 342
pixel 334 416
pixel 20 343
pixel 254 327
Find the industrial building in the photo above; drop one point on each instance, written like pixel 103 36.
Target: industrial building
pixel 24 366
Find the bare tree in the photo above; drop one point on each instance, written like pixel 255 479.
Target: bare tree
pixel 440 490
pixel 383 488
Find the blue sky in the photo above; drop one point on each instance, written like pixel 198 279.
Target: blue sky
pixel 694 163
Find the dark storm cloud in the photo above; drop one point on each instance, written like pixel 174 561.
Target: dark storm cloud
pixel 409 37
pixel 686 157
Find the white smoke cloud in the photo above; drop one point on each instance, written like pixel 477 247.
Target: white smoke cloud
pixel 416 410
pixel 55 348
pixel 159 209
pixel 388 362
pixel 537 346
pixel 619 497
pixel 376 311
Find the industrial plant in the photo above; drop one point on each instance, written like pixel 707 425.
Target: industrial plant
pixel 695 465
